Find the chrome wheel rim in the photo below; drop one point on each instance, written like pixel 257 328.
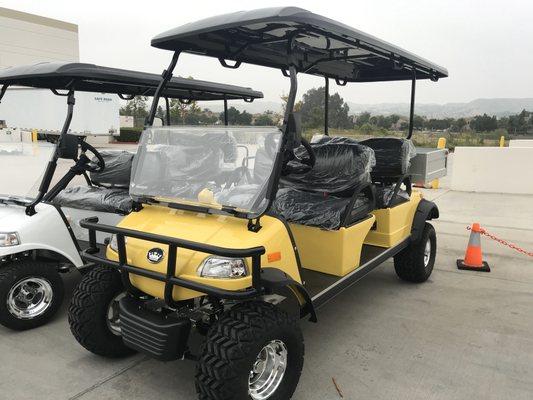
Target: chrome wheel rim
pixel 30 298
pixel 268 370
pixel 113 316
pixel 427 253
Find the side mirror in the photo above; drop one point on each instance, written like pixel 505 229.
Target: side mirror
pixel 68 146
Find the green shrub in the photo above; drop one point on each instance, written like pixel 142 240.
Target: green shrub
pixel 129 135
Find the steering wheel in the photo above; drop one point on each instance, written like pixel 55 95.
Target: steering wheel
pixel 90 165
pixel 300 160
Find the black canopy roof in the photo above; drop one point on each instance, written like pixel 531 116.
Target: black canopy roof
pixel 323 46
pixel 94 78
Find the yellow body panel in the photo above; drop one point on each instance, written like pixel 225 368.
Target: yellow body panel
pixel 332 252
pixel 216 230
pixel 393 224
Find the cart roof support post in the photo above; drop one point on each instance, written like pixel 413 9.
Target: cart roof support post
pixel 412 110
pixel 167 76
pixel 326 107
pixel 167 115
pixel 226 123
pixel 52 164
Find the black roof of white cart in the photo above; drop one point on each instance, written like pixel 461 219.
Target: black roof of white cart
pixel 94 78
pixel 322 46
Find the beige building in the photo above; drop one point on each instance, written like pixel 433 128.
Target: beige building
pixel 27 38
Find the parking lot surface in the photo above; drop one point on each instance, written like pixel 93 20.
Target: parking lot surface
pixel 460 335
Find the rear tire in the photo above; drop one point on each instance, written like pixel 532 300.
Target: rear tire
pixel 415 263
pixel 31 292
pixel 231 358
pixel 88 313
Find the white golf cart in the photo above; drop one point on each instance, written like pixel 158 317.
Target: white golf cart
pixel 40 237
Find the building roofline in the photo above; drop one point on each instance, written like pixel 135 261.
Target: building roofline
pixel 37 19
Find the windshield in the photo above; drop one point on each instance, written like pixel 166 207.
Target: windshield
pixel 224 168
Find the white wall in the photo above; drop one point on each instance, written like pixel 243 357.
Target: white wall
pixel 29 108
pixel 521 143
pixel 27 39
pixel 493 169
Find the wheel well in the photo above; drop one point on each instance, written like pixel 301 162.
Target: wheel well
pixel 44 255
pixel 276 281
pixel 426 210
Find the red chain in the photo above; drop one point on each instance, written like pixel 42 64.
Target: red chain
pixel 504 242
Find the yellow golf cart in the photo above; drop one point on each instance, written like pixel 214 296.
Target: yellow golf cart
pixel 242 230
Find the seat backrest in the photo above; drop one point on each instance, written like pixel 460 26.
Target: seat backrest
pixel 393 156
pixel 117 171
pixel 342 164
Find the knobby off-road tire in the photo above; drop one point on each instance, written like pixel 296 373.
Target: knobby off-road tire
pixel 233 344
pixel 42 294
pixel 88 313
pixel 415 263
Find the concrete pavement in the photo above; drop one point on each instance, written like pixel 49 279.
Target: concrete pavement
pixel 460 335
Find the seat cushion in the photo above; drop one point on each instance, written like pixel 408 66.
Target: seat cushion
pixel 342 164
pixel 95 199
pixel 117 171
pixel 313 209
pixel 393 156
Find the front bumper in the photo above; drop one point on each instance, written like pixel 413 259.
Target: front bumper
pixel 170 279
pixel 163 337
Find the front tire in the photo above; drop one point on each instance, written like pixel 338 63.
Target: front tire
pixel 255 351
pixel 93 313
pixel 31 292
pixel 415 262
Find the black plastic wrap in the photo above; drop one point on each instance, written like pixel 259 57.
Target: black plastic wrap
pixel 117 171
pixel 384 196
pixel 393 156
pixel 95 199
pixel 313 209
pixel 341 164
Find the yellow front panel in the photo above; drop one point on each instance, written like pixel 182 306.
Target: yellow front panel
pixel 332 252
pixel 393 224
pixel 222 231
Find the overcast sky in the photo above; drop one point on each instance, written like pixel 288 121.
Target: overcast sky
pixel 486 45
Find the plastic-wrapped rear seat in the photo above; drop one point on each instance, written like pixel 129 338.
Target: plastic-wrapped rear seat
pixel 321 196
pixel 393 158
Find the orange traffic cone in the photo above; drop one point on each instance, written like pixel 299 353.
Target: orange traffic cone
pixel 473 258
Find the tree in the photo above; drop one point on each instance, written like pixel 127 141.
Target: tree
pixel 235 117
pixel 458 125
pixel 264 119
pixel 312 110
pixel 484 123
pixel 136 108
pixel 363 118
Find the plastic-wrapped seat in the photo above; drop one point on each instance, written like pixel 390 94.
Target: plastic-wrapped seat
pixel 110 193
pixel 117 171
pixel 94 198
pixel 336 192
pixel 393 158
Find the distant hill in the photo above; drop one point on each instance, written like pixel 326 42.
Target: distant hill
pixel 498 107
pixel 255 107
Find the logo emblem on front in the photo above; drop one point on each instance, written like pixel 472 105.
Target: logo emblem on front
pixel 155 255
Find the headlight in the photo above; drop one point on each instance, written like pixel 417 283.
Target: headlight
pixel 9 239
pixel 113 243
pixel 222 267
